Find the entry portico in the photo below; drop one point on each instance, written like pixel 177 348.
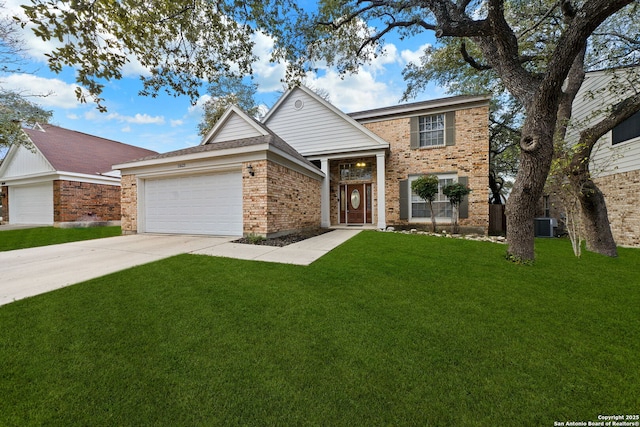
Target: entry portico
pixel 351 157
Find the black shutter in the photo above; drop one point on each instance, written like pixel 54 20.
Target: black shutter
pixel 464 206
pixel 414 130
pixel 450 128
pixel 404 199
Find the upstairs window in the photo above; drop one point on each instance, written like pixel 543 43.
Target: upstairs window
pixel 431 130
pixel 435 130
pixel 627 130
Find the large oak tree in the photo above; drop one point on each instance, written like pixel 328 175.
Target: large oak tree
pixel 458 64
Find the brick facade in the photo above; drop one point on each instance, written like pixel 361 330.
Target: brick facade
pixel 623 198
pixel 468 157
pixel 276 200
pixel 81 201
pixel 129 207
pixel 293 201
pixel 75 201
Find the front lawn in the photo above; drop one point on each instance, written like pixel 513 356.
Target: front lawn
pixel 43 236
pixel 387 329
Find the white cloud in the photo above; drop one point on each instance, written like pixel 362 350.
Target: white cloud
pixel 49 93
pixel 177 122
pixel 198 108
pixel 138 119
pixel 413 56
pixel 268 75
pixel 355 92
pixel 127 128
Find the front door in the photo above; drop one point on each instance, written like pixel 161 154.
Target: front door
pixel 355 206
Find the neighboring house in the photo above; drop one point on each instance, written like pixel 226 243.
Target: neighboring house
pixel 63 177
pixel 615 161
pixel 308 164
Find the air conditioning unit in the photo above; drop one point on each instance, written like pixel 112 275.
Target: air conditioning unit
pixel 544 227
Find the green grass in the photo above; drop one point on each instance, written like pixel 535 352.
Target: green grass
pixel 43 236
pixel 387 329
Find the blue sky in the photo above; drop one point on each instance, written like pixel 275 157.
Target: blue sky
pixel 169 123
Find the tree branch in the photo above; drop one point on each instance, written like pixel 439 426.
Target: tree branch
pixel 540 21
pixel 469 59
pixel 620 112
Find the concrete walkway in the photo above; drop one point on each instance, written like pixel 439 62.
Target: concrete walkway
pixel 29 272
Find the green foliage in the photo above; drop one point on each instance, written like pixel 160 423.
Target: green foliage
pixel 11 240
pixel 181 44
pixel 17 111
pixel 224 93
pixel 360 337
pixel 426 187
pixel 455 192
pixel 255 239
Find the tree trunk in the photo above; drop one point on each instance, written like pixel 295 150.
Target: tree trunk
pixel 536 153
pixel 433 217
pixel 525 195
pixel 595 220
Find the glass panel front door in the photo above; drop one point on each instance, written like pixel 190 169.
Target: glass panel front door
pixel 355 204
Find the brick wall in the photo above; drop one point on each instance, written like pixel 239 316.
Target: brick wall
pixel 254 199
pixel 468 157
pixel 622 194
pixel 4 212
pixel 81 201
pixel 129 208
pixel 278 200
pixel 293 200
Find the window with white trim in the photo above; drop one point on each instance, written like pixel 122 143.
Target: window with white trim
pixel 431 130
pixel 443 209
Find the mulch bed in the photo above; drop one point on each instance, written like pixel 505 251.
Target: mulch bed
pixel 285 240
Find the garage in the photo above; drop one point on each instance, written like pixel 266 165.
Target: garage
pixel 194 204
pixel 31 204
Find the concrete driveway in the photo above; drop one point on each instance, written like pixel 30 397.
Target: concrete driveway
pixel 28 272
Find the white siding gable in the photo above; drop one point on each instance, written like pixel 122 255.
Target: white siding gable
pixel 233 125
pixel 311 126
pixel 22 161
pixel 595 95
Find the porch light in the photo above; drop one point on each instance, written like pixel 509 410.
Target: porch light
pixel 361 164
pixel 250 170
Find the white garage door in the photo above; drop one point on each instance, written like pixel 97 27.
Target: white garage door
pixel 31 204
pixel 201 204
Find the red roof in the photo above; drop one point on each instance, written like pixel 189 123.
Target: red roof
pixel 71 151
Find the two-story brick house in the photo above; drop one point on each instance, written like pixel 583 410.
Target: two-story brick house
pixel 308 164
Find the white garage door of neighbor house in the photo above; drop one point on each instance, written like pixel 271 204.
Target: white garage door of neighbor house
pixel 31 204
pixel 200 204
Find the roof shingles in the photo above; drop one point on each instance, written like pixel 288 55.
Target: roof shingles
pixel 71 151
